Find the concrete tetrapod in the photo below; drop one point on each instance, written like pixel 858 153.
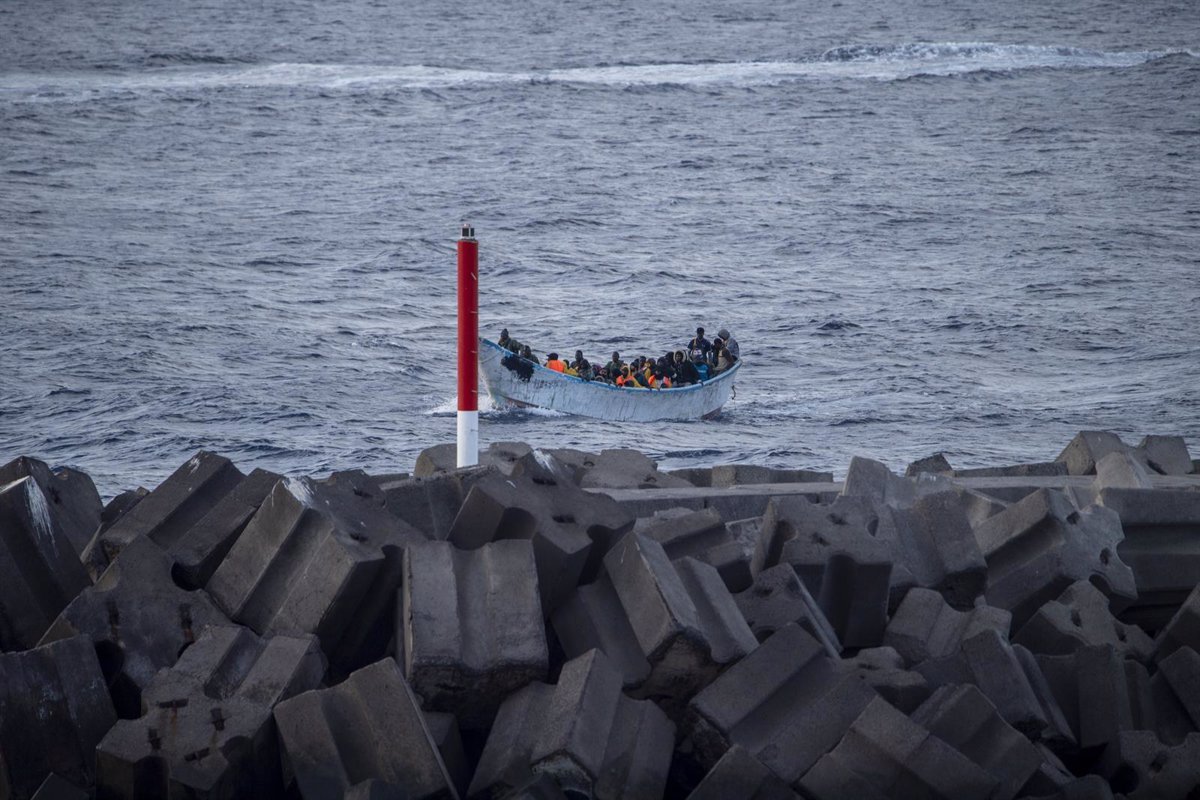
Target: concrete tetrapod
pixel 138 619
pixel 741 775
pixel 703 535
pixel 1038 547
pixel 471 626
pixel 684 618
pixel 168 512
pixel 54 710
pixel 1080 617
pixel 844 567
pixel 367 728
pixel 570 529
pixel 885 754
pixel 925 626
pixel 39 569
pixel 206 729
pixel 583 732
pixel 787 703
pixel 322 558
pixel 71 497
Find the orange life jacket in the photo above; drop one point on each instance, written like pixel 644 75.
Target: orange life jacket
pixel 558 365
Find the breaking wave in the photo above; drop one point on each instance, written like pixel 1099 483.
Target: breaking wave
pixel 852 62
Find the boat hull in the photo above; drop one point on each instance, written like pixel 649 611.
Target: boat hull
pixel 514 381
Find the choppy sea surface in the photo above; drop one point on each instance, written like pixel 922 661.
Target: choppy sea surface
pixel 932 225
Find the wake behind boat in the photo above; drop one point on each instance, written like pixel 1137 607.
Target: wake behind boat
pixel 513 380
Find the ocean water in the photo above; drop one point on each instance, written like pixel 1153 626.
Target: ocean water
pixel 963 226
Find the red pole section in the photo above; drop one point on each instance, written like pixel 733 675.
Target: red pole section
pixel 468 321
pixel 468 348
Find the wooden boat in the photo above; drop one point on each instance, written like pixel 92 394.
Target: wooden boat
pixel 514 381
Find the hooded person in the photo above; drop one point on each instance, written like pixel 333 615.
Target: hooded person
pixel 730 343
pixel 508 343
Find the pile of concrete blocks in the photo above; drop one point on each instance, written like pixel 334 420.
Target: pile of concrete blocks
pixel 560 624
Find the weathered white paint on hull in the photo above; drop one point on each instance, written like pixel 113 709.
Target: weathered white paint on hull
pixel 570 395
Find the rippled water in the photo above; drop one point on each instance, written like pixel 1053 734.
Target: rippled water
pixel 963 226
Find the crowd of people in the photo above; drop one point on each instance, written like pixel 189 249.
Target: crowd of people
pixel 700 361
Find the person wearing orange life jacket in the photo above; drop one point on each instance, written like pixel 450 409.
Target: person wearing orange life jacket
pixel 623 379
pixel 553 362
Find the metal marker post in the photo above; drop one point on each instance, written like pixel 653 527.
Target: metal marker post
pixel 468 348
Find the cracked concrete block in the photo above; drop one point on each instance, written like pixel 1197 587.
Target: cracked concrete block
pixel 1038 547
pixel 322 558
pixel 932 537
pixel 740 775
pixel 205 729
pixel 369 727
pixel 786 703
pixel 168 512
pixel 570 529
pixel 582 732
pixel 71 497
pixel 704 536
pixel 883 669
pixel 1079 618
pixel 841 563
pixel 1140 767
pixel 1183 630
pixel 925 626
pixel 1017 690
pixel 778 597
pixel 1091 686
pixel 40 571
pixel 936 463
pixel 1087 448
pixel 54 709
pixel 199 550
pixel 886 754
pixel 430 504
pixel 471 623
pixel 138 619
pixel 1166 455
pixel 963 717
pixel 443 458
pixel 1175 693
pixel 685 620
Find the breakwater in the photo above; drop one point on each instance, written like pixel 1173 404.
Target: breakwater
pixel 559 623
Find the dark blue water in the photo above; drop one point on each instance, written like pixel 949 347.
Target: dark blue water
pixel 966 226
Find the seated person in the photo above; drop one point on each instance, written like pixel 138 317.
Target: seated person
pixel 614 366
pixel 701 368
pixel 508 343
pixel 553 362
pixel 685 371
pixel 527 354
pixel 581 365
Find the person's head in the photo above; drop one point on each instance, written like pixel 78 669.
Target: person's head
pixel 723 335
pixel 616 357
pixel 552 357
pixel 579 355
pixel 718 344
pixel 504 334
pixel 678 356
pixel 625 370
pixel 527 352
pixel 699 333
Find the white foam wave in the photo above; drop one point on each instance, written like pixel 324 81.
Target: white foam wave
pixel 851 62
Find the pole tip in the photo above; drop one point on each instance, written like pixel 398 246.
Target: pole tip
pixel 468 231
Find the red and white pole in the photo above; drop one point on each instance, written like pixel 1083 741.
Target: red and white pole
pixel 468 348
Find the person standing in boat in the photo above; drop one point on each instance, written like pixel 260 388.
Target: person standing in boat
pixel 699 346
pixel 614 366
